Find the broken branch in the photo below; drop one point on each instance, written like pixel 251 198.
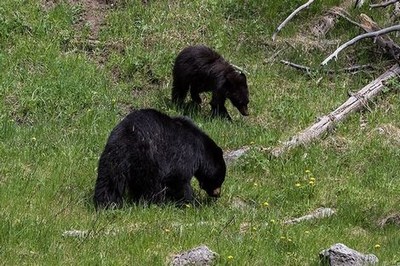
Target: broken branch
pixel 341 13
pixel 297 66
pixel 308 70
pixel 385 42
pixel 290 17
pixel 384 4
pixel 355 102
pixel 358 38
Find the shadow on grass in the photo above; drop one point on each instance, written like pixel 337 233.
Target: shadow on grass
pixel 200 201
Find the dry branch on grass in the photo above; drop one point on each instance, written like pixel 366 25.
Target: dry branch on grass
pixel 384 41
pixel 384 4
pixel 297 66
pixel 308 70
pixel 280 27
pixel 358 38
pixel 343 14
pixel 368 25
pixel 355 102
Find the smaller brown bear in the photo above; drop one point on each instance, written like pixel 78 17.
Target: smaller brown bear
pixel 201 69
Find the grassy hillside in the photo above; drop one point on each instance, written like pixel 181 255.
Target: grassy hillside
pixel 69 72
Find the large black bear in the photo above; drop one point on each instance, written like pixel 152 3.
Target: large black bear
pixel 201 69
pixel 154 158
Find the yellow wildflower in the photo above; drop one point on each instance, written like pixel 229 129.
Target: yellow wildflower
pixel 266 204
pixel 377 246
pixel 230 257
pixel 298 185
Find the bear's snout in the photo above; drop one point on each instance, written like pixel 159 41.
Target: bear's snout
pixel 216 192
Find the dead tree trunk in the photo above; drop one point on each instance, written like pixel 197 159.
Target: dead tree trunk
pixel 355 102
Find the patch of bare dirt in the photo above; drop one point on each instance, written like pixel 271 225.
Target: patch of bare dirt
pixel 338 143
pixel 93 14
pixel 390 132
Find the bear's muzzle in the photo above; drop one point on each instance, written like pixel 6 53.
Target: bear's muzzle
pixel 216 192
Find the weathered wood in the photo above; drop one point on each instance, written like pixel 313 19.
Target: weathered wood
pixel 384 4
pixel 297 66
pixel 358 38
pixel 384 41
pixel 343 14
pixel 355 102
pixel 308 70
pixel 326 22
pixel 280 27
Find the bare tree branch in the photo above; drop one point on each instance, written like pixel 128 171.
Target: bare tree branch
pixel 343 14
pixel 290 17
pixel 299 67
pixel 385 42
pixel 308 70
pixel 384 4
pixel 355 102
pixel 360 37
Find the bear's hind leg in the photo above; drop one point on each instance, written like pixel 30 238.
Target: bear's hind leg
pixel 110 187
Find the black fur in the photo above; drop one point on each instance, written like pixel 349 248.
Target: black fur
pixel 201 69
pixel 154 158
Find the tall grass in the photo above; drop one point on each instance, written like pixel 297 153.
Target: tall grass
pixel 61 94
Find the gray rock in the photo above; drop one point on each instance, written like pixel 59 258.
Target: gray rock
pixel 341 255
pixel 199 256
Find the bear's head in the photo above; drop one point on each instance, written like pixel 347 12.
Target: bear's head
pixel 237 91
pixel 212 173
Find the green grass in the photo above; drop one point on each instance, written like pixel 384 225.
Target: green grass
pixel 61 95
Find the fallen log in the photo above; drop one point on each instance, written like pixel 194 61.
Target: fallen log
pixel 354 103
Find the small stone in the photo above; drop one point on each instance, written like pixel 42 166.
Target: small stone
pixel 75 233
pixel 199 256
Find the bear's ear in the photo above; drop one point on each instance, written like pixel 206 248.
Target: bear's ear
pixel 243 76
